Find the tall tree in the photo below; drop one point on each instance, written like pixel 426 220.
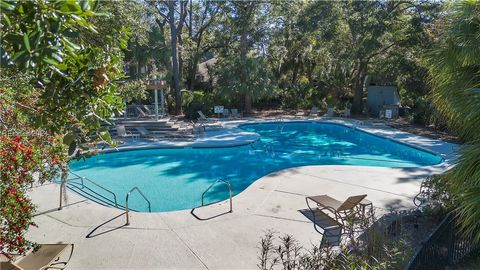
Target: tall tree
pixel 202 16
pixel 376 28
pixel 243 30
pixel 167 12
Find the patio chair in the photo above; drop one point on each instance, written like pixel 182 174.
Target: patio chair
pixel 330 112
pixel 123 133
pixel 162 134
pixel 203 118
pixel 197 128
pixel 46 257
pixel 226 113
pixel 236 113
pixel 299 114
pixel 346 113
pixel 344 212
pixel 313 112
pixel 141 113
pixel 147 109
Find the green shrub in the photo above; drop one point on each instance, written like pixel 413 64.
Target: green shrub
pixel 197 101
pixel 425 113
pixel 422 111
pixel 300 97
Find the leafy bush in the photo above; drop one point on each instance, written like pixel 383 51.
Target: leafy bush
pixel 425 113
pixel 300 97
pixel 422 111
pixel 197 101
pixel 56 87
pixel 289 254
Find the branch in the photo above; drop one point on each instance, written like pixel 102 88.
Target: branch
pixel 382 50
pixel 216 46
pixel 164 16
pixel 160 23
pixel 208 23
pixel 183 15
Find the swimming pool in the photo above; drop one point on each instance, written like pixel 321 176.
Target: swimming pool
pixel 174 179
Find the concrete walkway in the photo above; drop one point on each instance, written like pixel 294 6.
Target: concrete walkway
pixel 211 238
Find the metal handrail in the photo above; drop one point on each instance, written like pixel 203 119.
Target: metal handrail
pixel 229 189
pixel 126 202
pixel 91 181
pixel 62 186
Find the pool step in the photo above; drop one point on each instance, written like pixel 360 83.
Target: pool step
pixel 95 196
pixel 90 194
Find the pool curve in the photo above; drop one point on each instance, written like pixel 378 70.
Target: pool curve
pixel 175 178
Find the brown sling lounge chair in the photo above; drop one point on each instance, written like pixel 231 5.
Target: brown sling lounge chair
pixel 343 211
pixel 46 257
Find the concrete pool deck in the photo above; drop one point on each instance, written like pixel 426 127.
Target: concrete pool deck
pixel 211 238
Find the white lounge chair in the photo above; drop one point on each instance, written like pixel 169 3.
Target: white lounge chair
pixel 163 134
pixel 123 133
pixel 147 109
pixel 203 118
pixel 330 112
pixel 141 113
pixel 313 112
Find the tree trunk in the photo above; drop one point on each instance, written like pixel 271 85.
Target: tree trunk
pixel 295 71
pixel 357 105
pixel 243 60
pixel 248 103
pixel 193 72
pixel 196 59
pixel 180 57
pixel 175 68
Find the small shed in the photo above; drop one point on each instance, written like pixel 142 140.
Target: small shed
pixel 379 97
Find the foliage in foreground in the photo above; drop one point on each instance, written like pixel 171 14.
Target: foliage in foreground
pixel 27 154
pixel 288 254
pixel 57 85
pixel 455 70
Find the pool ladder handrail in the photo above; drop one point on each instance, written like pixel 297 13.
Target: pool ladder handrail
pixel 126 202
pixel 229 190
pixel 82 178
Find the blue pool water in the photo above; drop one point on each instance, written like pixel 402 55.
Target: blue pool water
pixel 174 179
